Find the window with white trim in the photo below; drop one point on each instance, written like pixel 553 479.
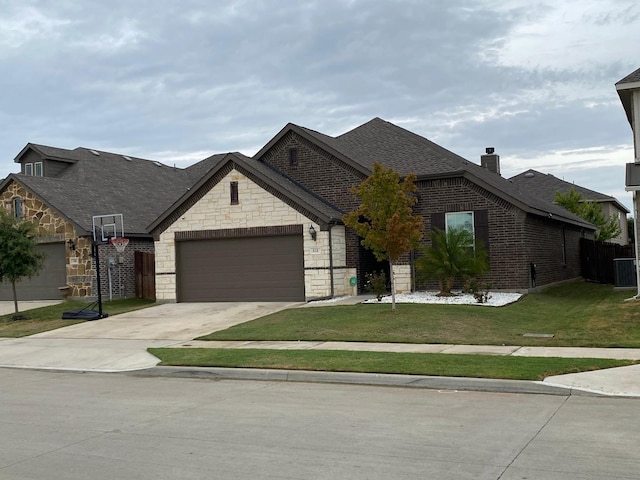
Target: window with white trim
pixel 461 221
pixel 28 168
pixel 37 169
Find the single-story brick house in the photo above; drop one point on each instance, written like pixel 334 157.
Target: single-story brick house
pixel 270 226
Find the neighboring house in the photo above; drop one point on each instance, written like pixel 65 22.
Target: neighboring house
pixel 270 227
pixel 629 92
pixel 546 186
pixel 63 189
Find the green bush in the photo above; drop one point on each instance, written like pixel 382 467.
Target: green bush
pixel 377 284
pixel 451 257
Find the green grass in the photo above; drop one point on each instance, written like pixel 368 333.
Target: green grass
pixel 49 318
pixel 479 366
pixel 578 314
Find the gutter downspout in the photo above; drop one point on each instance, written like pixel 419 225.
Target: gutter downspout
pixel 635 233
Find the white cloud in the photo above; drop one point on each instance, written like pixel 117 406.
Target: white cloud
pixel 568 35
pixel 23 25
pixel 125 35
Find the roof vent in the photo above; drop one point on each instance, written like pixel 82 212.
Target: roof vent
pixel 95 153
pixel 126 158
pixel 529 175
pixel 158 164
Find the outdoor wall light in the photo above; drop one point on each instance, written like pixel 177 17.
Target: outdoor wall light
pixel 72 245
pixel 312 232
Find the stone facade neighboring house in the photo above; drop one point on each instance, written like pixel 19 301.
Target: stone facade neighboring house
pixel 546 186
pixel 629 92
pixel 270 227
pixel 61 190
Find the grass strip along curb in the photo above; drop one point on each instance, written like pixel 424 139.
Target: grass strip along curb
pixel 450 365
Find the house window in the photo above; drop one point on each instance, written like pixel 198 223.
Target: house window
pixel 17 208
pixel 563 240
pixel 28 168
pixel 37 167
pixel 234 193
pixel 461 221
pixel 293 157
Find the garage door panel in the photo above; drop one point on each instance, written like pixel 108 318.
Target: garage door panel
pixel 43 286
pixel 251 269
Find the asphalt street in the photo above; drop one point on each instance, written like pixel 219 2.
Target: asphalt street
pixel 71 425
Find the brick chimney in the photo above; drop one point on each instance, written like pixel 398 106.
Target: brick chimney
pixel 490 161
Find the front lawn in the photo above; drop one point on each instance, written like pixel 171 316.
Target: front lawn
pixel 577 314
pixel 49 318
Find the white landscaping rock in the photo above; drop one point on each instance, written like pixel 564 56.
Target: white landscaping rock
pixel 496 299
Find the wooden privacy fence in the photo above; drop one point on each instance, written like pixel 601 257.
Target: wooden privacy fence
pixel 597 259
pixel 145 273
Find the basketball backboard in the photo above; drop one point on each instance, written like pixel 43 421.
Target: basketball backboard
pixel 107 226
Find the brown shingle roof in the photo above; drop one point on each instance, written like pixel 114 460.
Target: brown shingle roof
pixel 406 152
pixel 546 186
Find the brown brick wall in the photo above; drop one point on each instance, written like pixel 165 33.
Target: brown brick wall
pixel 324 175
pixel 122 273
pixel 544 249
pixel 506 226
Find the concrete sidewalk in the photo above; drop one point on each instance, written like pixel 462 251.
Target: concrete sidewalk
pixel 504 350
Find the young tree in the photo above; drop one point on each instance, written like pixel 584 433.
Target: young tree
pixel 18 255
pixel 450 257
pixel 591 212
pixel 385 218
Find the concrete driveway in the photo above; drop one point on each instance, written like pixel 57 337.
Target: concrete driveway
pixel 119 343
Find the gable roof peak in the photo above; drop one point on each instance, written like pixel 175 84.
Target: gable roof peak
pixel 633 77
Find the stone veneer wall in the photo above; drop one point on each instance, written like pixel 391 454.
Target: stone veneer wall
pixel 53 228
pixel 256 208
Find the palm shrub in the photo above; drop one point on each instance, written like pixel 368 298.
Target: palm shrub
pixel 450 257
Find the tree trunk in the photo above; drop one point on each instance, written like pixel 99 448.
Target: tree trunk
pixel 393 286
pixel 15 295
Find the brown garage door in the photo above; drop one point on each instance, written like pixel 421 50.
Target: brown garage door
pixel 240 269
pixel 45 285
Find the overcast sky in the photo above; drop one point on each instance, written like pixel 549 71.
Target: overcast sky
pixel 177 81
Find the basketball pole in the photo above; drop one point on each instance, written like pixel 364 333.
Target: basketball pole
pixel 96 255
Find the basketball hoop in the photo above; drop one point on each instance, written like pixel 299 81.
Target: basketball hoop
pixel 119 243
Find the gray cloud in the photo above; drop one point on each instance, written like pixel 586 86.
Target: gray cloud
pixel 180 80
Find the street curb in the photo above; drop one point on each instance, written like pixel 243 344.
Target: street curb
pixel 373 379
